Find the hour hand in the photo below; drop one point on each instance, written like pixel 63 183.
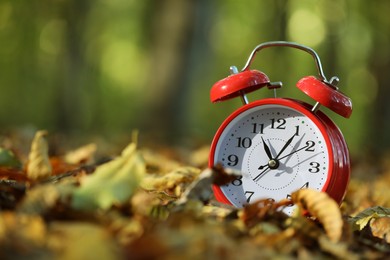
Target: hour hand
pixel 267 150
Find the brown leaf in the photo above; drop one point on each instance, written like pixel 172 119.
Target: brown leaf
pixel 59 166
pixel 323 208
pixel 38 166
pixel 11 192
pixel 380 227
pixel 223 176
pixel 12 174
pixel 364 217
pixel 256 212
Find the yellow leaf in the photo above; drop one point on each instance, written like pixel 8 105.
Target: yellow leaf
pixel 363 218
pixel 181 175
pixel 38 166
pixel 111 183
pixel 82 154
pixel 323 208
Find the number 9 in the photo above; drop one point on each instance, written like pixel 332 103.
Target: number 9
pixel 233 160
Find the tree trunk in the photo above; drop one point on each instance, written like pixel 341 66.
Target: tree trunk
pixel 172 30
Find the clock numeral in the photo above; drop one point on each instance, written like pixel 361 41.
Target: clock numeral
pixel 257 128
pixel 237 182
pixel 248 195
pixel 297 130
pixel 315 167
pixel 244 142
pixel 310 146
pixel 304 186
pixel 233 160
pixel 278 123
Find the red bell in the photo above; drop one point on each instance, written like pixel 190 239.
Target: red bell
pixel 327 95
pixel 238 84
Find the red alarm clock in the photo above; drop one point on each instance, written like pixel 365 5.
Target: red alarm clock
pixel 280 145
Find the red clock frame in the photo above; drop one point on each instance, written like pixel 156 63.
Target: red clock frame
pixel 339 168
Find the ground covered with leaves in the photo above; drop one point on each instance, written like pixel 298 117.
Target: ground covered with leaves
pixel 146 203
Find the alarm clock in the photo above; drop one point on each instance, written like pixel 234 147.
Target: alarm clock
pixel 280 145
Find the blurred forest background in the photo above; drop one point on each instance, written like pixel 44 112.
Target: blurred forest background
pixel 106 67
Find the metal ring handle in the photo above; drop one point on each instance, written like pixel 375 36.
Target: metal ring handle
pixel 287 44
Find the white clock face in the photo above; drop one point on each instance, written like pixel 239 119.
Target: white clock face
pixel 278 151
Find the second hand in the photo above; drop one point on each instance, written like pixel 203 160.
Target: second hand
pixel 294 152
pixel 261 173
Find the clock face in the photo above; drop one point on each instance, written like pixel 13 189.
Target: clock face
pixel 277 148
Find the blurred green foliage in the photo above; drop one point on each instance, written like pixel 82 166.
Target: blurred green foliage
pixel 110 66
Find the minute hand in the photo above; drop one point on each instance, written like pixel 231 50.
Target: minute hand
pixel 285 146
pixel 287 155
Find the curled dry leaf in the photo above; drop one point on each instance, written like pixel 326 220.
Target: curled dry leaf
pixel 380 227
pixel 38 166
pixel 323 208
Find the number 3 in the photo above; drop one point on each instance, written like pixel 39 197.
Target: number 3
pixel 315 167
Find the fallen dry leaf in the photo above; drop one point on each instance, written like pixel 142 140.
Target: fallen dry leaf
pixel 320 206
pixel 38 166
pixel 380 227
pixel 256 211
pixel 163 208
pixel 363 218
pixel 84 154
pixel 199 189
pixel 178 178
pixel 111 183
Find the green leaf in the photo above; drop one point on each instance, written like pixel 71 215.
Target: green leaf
pixel 8 159
pixel 363 218
pixel 111 183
